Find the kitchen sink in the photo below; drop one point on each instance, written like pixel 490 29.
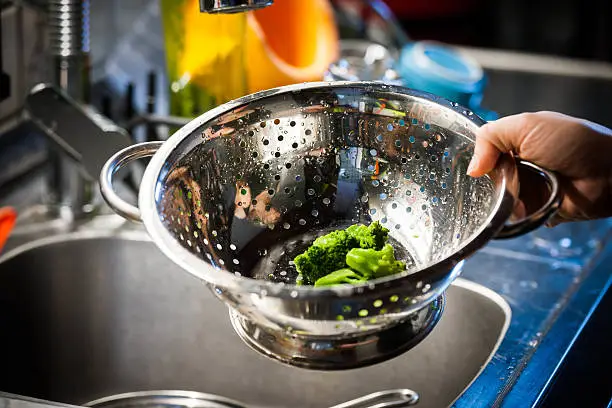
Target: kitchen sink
pixel 84 316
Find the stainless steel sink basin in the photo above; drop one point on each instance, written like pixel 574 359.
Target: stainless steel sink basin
pixel 84 316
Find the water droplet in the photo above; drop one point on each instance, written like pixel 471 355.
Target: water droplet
pixel 383 196
pixel 302 221
pixel 390 127
pixel 363 312
pixel 408 209
pixel 326 201
pixel 375 183
pixel 286 225
pixel 394 298
pixel 379 138
pixel 394 206
pixel 315 213
pixel 372 211
pixel 311 191
pixel 373 152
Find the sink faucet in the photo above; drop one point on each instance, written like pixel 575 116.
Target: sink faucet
pixel 232 6
pixel 69 54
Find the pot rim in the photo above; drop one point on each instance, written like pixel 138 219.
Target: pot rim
pixel 222 280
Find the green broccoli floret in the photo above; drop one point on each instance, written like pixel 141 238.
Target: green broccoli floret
pixel 373 264
pixel 326 254
pixel 339 277
pixel 373 236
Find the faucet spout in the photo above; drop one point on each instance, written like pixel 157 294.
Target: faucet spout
pixel 232 6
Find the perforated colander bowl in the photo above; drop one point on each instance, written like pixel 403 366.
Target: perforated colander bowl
pixel 234 195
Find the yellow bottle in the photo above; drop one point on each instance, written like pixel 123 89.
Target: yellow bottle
pixel 213 58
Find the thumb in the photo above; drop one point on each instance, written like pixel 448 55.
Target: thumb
pixel 501 136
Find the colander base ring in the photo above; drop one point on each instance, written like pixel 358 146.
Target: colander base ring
pixel 339 353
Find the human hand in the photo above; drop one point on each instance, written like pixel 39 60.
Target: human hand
pixel 578 150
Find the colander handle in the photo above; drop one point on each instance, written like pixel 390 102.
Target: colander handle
pixel 539 217
pixel 112 166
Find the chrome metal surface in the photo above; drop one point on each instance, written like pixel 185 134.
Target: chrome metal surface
pixel 68 30
pixel 323 353
pixel 238 192
pixel 188 399
pixel 383 399
pixel 79 155
pixel 539 217
pixel 91 314
pixel 165 399
pixel 232 6
pixel 117 161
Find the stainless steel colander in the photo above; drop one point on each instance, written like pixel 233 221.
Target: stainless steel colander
pixel 234 195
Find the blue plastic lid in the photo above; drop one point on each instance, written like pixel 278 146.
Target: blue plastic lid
pixel 441 70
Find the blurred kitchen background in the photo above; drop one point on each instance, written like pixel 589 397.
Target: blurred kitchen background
pixel 151 65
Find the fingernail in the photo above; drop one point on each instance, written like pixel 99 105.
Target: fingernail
pixel 472 166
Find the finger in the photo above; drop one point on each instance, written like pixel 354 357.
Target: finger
pixel 484 158
pixel 501 136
